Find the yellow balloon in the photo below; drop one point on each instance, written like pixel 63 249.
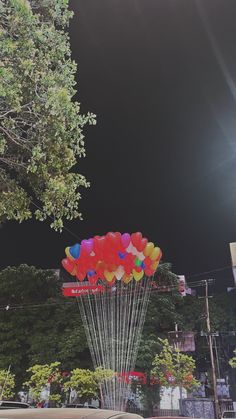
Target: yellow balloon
pixel 148 249
pixel 67 252
pixel 155 253
pixel 109 275
pixel 138 275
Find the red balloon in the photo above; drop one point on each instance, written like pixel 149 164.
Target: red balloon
pixel 98 245
pixel 69 266
pixel 111 239
pixel 93 279
pixel 136 238
pixel 142 244
pixel 148 262
pixel 80 275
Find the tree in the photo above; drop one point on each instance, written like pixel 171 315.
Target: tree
pixel 173 368
pixel 88 383
pixel 42 376
pixel 37 323
pixel 41 127
pixel 7 384
pixel 232 361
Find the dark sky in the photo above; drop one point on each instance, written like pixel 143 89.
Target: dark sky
pixel 160 76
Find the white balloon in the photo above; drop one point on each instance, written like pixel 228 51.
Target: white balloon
pixel 119 272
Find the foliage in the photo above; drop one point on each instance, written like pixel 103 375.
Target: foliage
pixel 7 384
pixel 232 361
pixel 39 324
pixel 40 377
pixel 41 127
pixel 173 368
pixel 87 383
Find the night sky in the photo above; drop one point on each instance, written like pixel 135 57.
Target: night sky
pixel 160 76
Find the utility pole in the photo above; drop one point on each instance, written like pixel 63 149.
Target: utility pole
pixel 216 401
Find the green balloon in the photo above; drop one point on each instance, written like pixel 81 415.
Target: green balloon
pixel 138 262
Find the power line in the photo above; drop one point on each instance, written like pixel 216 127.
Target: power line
pixel 64 228
pixel 209 272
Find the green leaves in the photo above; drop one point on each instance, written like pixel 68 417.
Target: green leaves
pixel 173 368
pixel 41 127
pixel 232 361
pixel 41 376
pixel 7 384
pixel 87 383
pixel 43 327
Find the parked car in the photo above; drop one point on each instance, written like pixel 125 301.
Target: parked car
pixel 7 404
pixel 66 413
pixel 79 405
pixel 228 414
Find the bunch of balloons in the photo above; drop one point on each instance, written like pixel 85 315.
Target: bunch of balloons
pixel 112 257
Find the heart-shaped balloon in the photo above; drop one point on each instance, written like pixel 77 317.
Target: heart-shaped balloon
pixel 119 273
pixel 67 252
pixel 80 275
pixel 109 275
pixel 140 255
pixel 148 249
pixel 127 278
pixel 90 273
pixel 154 265
pixel 74 251
pixel 87 246
pixel 93 279
pixel 132 249
pixel 142 244
pixel 69 266
pixel 138 262
pixel 155 253
pixel 121 255
pixel 136 239
pixel 138 275
pixel 125 239
pixel 99 243
pixel 111 239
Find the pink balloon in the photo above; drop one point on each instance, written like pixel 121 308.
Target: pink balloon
pixel 87 246
pixel 125 238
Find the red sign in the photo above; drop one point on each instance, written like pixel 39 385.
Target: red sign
pixel 133 376
pixel 78 290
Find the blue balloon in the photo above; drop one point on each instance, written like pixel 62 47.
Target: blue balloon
pixel 75 251
pixel 90 273
pixel 143 266
pixel 122 255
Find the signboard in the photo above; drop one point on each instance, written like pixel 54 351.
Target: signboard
pixel 233 259
pixel 70 289
pixel 182 285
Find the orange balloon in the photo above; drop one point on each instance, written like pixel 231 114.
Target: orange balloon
pixel 155 265
pixel 127 278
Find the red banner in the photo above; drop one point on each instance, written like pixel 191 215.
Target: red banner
pixel 78 290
